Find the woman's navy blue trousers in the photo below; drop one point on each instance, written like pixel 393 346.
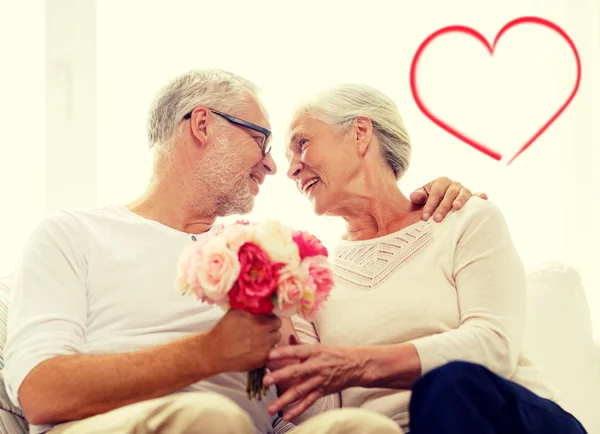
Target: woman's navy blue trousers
pixel 465 398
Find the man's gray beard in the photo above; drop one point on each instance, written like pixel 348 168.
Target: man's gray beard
pixel 239 200
pixel 230 187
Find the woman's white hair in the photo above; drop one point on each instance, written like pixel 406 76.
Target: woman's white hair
pixel 213 88
pixel 339 106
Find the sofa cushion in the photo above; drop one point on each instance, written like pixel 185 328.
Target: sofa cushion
pixel 5 285
pixel 559 339
pixel 11 417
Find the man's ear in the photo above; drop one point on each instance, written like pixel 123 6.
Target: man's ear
pixel 199 123
pixel 363 131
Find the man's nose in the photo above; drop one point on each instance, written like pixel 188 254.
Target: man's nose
pixel 269 164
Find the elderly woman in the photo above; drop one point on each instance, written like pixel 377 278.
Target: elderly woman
pixel 426 320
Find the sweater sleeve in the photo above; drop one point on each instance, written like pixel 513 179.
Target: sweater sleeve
pixel 490 284
pixel 48 306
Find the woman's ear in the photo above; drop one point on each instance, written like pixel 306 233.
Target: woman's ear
pixel 363 130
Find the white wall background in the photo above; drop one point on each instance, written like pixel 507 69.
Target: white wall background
pixel 22 124
pixel 102 62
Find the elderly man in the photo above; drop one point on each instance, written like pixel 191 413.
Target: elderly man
pixel 100 342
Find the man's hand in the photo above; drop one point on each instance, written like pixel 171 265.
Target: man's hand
pixel 65 388
pixel 440 196
pixel 242 341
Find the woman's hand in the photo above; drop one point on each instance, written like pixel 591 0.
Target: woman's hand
pixel 320 370
pixel 440 196
pixel 278 364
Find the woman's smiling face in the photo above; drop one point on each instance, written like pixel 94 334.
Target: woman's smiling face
pixel 322 159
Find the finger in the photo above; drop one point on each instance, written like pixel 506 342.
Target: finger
pixel 273 366
pixel 288 373
pixel 276 323
pixel 297 371
pixel 295 393
pixel 302 406
pixel 270 322
pixel 481 195
pixel 446 203
pixel 436 195
pixel 236 312
pixel 274 338
pixel 419 196
pixel 463 197
pixel 302 351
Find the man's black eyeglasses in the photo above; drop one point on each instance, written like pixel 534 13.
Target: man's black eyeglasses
pixel 237 121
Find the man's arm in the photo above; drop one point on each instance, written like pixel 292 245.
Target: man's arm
pixel 47 371
pixel 74 387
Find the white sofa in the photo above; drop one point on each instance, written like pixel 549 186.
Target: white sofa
pixel 558 338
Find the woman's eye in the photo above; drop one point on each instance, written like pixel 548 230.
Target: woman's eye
pixel 301 143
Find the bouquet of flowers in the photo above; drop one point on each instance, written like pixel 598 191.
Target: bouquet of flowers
pixel 264 268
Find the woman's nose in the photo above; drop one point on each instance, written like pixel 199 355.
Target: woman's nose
pixel 294 169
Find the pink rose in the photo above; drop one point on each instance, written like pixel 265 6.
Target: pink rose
pixel 308 245
pixel 214 270
pixel 187 279
pixel 257 281
pixel 289 292
pixel 317 286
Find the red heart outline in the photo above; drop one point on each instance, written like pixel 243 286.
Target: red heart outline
pixel 471 32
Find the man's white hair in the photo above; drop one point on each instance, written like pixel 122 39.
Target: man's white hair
pixel 213 88
pixel 340 105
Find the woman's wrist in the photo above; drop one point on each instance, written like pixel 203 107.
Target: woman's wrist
pixel 390 366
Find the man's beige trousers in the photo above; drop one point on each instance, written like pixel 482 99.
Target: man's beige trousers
pixel 210 413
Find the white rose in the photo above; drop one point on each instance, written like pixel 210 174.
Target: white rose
pixel 277 242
